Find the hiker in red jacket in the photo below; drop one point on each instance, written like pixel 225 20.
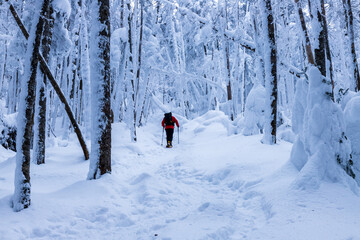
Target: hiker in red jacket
pixel 168 123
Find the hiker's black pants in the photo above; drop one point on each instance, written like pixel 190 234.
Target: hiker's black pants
pixel 169 134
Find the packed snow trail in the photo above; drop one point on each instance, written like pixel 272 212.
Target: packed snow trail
pixel 210 186
pixel 200 188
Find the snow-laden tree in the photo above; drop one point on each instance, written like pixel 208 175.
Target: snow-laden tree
pixel 322 150
pixel 41 94
pixel 349 21
pixel 352 119
pixel 254 115
pixel 21 198
pixel 193 56
pixel 100 160
pixel 270 58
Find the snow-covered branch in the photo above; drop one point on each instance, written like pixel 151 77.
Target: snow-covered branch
pixel 192 77
pixel 186 11
pixel 236 36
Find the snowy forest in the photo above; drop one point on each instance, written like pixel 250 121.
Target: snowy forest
pixel 265 91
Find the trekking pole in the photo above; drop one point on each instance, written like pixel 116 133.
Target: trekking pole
pixel 162 136
pixel 178 136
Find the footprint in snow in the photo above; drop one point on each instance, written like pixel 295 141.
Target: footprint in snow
pixel 204 206
pixel 140 178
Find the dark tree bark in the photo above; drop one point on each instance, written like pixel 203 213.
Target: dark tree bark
pixel 228 69
pixel 101 140
pixel 41 131
pixel 308 49
pixel 131 72
pixel 273 69
pixel 327 45
pixel 53 82
pixel 320 37
pixel 122 13
pixel 139 60
pixel 228 86
pixel 21 197
pixel 140 44
pixel 104 44
pixel 320 57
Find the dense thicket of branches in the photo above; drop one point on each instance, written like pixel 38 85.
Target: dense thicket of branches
pixel 192 56
pixel 196 56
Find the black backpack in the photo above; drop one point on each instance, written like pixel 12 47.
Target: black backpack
pixel 168 119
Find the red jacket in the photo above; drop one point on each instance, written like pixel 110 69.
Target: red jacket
pixel 174 120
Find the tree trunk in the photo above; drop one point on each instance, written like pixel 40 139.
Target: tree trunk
pixel 228 84
pixel 40 121
pixel 271 75
pixel 139 57
pixel 146 99
pixel 100 162
pixel 3 68
pixel 308 49
pixel 320 57
pixel 21 197
pixel 130 66
pixel 327 46
pixel 227 65
pixel 85 68
pixel 350 30
pixel 56 87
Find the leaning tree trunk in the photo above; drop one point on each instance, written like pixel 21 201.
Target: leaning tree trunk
pixel 100 161
pixel 21 198
pixel 270 75
pixel 308 49
pixel 53 82
pixel 40 112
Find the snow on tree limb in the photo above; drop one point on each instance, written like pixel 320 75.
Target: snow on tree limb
pixel 159 104
pixel 193 78
pixel 235 36
pixel 186 11
pixel 46 69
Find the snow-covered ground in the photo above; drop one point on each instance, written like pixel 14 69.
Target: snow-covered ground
pixel 210 186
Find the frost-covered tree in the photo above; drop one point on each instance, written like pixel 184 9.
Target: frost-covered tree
pixel 354 66
pixel 194 56
pixel 321 151
pixel 352 119
pixel 254 117
pixel 21 198
pixel 41 95
pixel 270 72
pixel 100 160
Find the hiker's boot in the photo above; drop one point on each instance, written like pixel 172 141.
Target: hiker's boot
pixel 168 144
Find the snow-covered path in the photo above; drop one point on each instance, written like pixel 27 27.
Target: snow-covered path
pixel 203 187
pixel 210 186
